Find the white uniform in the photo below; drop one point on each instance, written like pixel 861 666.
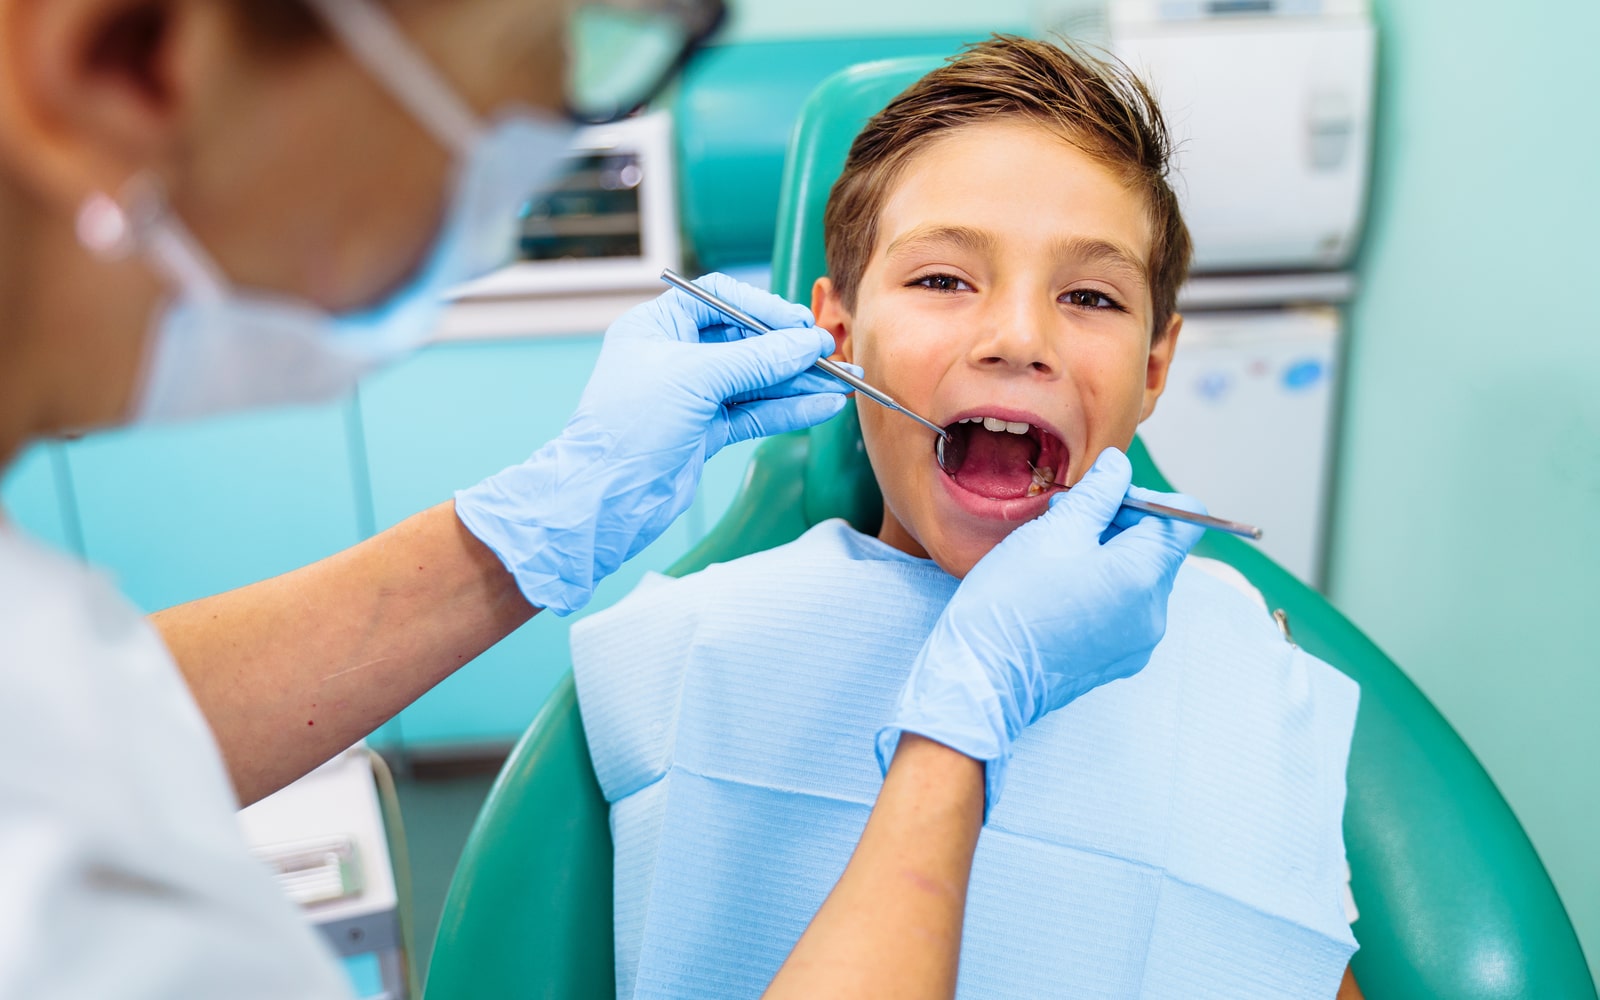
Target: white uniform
pixel 122 869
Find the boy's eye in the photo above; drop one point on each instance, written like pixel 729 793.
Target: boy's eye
pixel 1088 298
pixel 943 283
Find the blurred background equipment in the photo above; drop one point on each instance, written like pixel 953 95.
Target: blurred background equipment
pixel 326 838
pixel 1270 103
pixel 590 248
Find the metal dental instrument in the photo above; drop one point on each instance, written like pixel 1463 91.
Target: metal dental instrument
pixel 1203 520
pixel 839 372
pixel 951 461
pixel 1179 514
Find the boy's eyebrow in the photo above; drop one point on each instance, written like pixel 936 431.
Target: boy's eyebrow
pixel 1093 250
pixel 1087 249
pixel 932 237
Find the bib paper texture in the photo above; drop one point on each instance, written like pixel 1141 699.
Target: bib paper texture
pixel 1175 834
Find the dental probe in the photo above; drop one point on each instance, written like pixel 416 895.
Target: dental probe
pixel 838 371
pixel 1203 520
pixel 1179 514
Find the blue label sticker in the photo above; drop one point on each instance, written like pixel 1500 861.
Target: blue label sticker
pixel 1304 374
pixel 1214 385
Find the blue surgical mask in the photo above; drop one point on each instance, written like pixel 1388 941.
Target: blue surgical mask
pixel 218 348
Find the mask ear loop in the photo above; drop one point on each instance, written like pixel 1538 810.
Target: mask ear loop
pixel 377 43
pixel 139 222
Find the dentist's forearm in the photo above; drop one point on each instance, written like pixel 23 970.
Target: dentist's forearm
pixel 892 925
pixel 292 670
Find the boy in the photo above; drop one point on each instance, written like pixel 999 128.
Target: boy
pixel 1004 255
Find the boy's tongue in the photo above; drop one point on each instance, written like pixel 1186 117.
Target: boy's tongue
pixel 996 464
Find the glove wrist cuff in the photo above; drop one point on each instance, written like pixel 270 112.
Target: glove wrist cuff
pixel 540 519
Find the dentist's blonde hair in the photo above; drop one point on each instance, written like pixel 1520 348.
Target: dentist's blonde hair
pixel 1097 105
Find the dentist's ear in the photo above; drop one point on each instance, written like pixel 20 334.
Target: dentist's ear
pixel 99 90
pixel 832 316
pixel 1159 364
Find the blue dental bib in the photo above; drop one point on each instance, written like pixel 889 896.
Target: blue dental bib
pixel 1175 834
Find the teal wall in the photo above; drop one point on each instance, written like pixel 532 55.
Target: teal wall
pixel 1467 524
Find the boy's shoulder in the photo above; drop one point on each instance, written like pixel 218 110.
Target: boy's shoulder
pixel 1223 573
pixel 1214 606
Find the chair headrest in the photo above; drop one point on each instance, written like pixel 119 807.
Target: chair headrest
pixel 829 122
pixel 839 480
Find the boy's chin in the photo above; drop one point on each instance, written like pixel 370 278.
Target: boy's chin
pixel 957 556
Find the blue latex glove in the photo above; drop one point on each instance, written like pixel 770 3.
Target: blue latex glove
pixel 1067 602
pixel 674 384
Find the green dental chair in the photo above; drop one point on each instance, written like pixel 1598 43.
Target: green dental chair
pixel 1454 902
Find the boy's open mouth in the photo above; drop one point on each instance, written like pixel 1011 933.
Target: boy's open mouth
pixel 1003 459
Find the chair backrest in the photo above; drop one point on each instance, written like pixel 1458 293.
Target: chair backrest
pixel 1454 901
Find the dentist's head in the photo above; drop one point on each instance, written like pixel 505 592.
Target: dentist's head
pixel 213 203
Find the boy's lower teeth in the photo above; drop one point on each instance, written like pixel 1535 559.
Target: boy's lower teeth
pixel 1043 479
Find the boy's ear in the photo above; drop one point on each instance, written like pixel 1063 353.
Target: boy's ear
pixel 1160 362
pixel 831 316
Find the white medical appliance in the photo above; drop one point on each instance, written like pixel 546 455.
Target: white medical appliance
pixel 1270 106
pixel 325 841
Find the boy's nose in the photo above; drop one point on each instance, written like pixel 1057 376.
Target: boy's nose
pixel 1017 335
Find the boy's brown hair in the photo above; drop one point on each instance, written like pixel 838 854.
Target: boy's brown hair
pixel 1098 106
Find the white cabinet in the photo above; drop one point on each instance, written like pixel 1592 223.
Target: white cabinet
pixel 1246 421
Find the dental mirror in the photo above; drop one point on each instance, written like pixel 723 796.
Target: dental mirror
pixel 950 451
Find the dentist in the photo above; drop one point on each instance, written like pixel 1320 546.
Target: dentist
pixel 208 205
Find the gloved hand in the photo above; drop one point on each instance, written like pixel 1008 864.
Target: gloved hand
pixel 1065 603
pixel 674 384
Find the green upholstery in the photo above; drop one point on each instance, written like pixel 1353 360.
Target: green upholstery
pixel 1454 902
pixel 732 117
pixel 528 913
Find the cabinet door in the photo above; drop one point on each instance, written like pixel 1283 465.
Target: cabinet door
pixel 35 495
pixel 445 419
pixel 1246 424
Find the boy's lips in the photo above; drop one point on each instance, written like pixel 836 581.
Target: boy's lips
pixel 1003 461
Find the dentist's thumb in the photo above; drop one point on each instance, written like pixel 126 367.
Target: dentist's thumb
pixel 1094 501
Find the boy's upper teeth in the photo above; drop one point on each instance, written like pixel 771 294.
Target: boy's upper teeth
pixel 996 424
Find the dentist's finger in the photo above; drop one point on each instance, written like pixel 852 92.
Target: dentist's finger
pixel 758 363
pixel 766 417
pixel 1127 517
pixel 1158 544
pixel 776 312
pixel 806 383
